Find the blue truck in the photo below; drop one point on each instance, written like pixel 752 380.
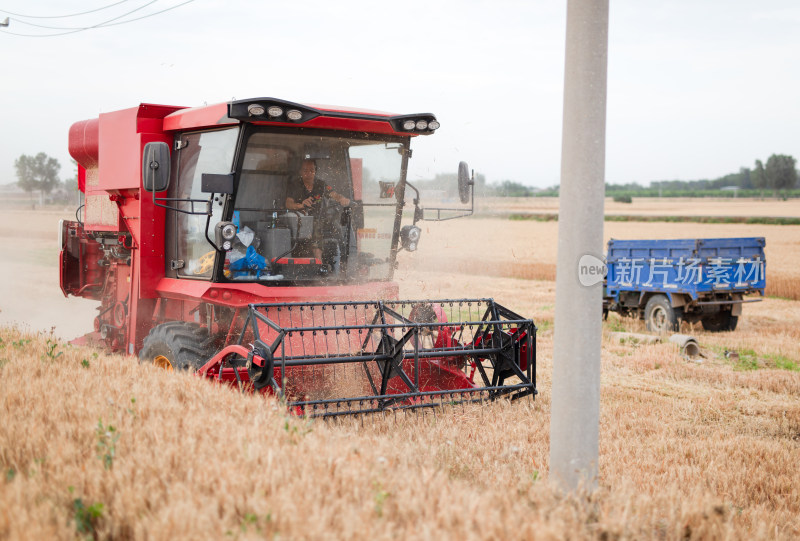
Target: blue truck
pixel 665 282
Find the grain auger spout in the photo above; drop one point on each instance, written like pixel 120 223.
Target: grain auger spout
pixel 339 358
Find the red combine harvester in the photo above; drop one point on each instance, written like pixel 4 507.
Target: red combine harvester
pixel 255 242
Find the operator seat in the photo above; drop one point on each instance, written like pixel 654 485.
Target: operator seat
pixel 260 188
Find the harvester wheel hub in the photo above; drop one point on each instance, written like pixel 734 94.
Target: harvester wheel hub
pixel 261 376
pixel 162 362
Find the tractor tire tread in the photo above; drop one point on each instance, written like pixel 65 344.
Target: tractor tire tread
pixel 184 344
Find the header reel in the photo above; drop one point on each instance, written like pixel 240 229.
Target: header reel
pixel 332 359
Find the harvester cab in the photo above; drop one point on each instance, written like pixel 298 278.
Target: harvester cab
pixel 256 243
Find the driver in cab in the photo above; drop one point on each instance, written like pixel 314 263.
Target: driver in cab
pixel 305 194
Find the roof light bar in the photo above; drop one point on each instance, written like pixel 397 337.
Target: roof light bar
pixel 273 110
pixel 270 110
pixel 422 124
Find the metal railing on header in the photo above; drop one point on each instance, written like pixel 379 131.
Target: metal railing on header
pixel 341 358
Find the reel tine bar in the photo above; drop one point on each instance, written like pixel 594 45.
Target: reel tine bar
pixel 342 358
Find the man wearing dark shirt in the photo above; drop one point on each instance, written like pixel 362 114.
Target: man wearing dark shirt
pixel 307 193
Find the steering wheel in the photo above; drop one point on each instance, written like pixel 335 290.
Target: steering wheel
pixel 330 210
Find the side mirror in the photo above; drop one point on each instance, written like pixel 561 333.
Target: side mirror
pixel 155 167
pixel 464 182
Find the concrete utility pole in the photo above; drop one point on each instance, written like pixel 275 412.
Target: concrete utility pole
pixel 575 416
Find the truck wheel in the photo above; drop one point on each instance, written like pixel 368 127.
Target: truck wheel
pixel 660 316
pixel 176 345
pixel 721 321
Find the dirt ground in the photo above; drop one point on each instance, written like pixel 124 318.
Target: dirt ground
pixel 30 296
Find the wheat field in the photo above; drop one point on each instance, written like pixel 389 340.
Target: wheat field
pixel 97 446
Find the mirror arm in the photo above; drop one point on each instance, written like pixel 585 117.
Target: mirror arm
pixel 208 222
pixel 417 210
pixel 180 200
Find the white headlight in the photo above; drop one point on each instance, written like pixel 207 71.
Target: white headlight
pixel 226 245
pixel 275 111
pixel 412 246
pixel 228 232
pixel 433 125
pixel 413 234
pixel 255 109
pixel 294 114
pixel 422 125
pixel 409 125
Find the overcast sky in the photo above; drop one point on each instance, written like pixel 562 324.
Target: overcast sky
pixel 695 89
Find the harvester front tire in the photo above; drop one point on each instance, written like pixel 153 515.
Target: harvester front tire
pixel 660 316
pixel 176 345
pixel 721 321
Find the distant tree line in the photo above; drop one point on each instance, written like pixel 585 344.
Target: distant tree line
pixel 508 188
pixel 778 176
pixel 446 184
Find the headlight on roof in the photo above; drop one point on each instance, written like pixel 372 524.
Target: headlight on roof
pixel 275 111
pixel 433 125
pixel 409 125
pixel 422 125
pixel 294 114
pixel 255 109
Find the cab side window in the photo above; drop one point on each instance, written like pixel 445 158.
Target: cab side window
pixel 205 152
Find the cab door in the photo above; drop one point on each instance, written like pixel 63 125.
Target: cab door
pixel 190 255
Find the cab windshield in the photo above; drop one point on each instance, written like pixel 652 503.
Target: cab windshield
pixel 315 207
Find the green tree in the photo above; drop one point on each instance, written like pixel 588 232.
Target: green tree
pixel 71 185
pixel 38 172
pixel 510 188
pixel 780 172
pixel 758 177
pixel 745 178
